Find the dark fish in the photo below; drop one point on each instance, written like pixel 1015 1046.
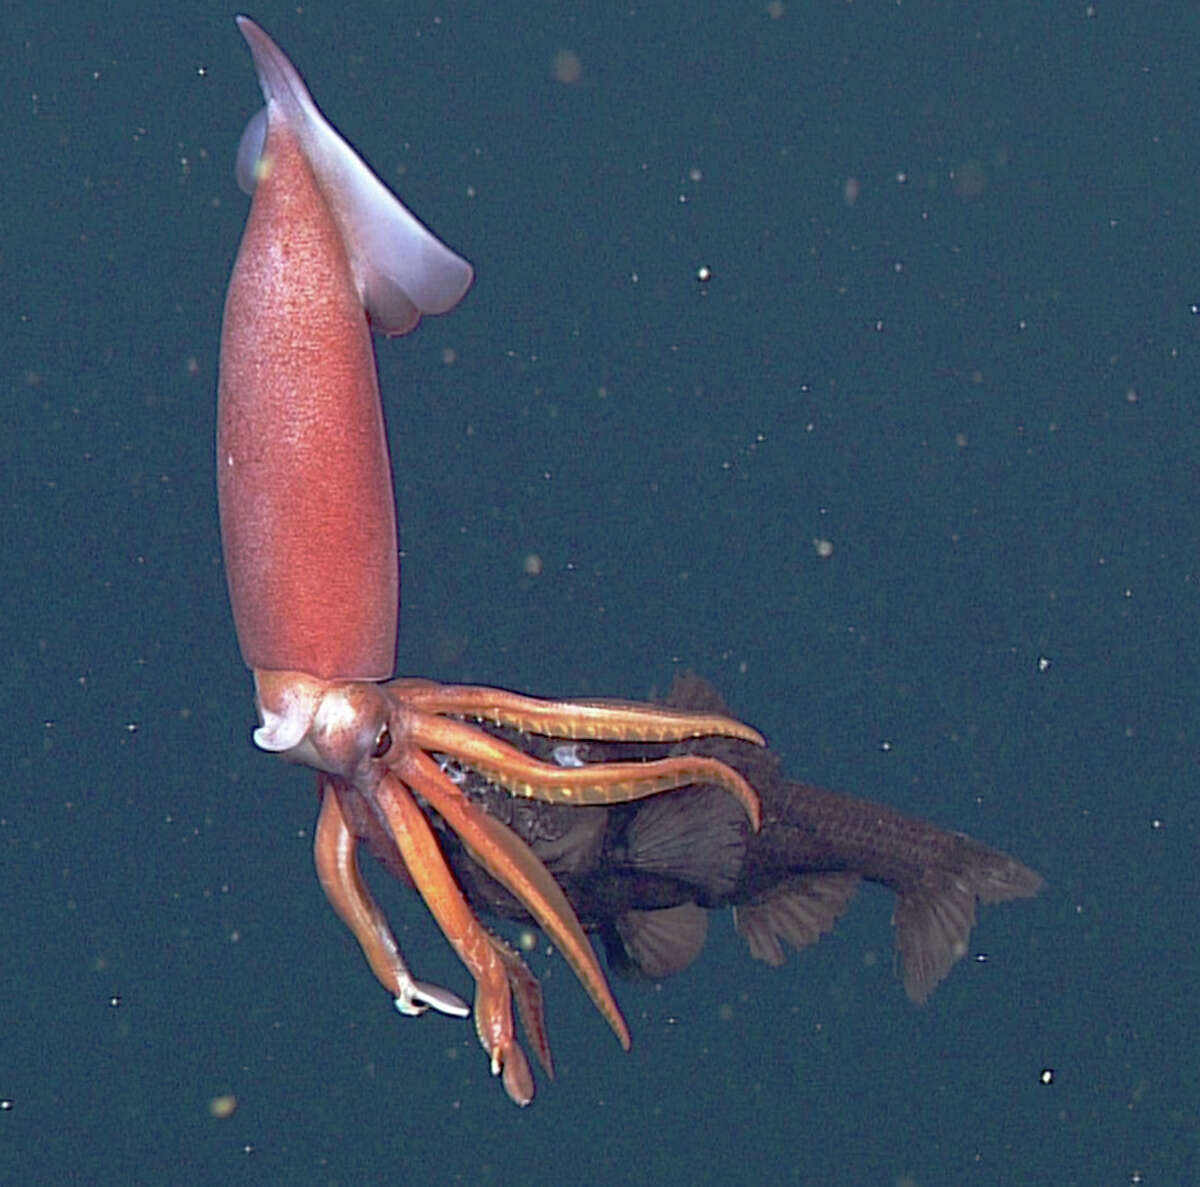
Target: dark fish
pixel 644 876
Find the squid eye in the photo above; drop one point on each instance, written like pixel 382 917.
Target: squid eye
pixel 383 743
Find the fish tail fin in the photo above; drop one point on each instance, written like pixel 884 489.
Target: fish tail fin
pixel 933 919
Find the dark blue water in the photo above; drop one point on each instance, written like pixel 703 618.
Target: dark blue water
pixel 977 382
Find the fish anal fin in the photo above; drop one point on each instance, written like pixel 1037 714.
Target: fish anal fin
pixel 798 912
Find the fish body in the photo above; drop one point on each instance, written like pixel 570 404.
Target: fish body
pixel 644 876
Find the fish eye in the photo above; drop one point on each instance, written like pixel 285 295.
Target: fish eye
pixel 569 754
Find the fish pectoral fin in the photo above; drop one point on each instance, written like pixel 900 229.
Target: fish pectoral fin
pixel 696 835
